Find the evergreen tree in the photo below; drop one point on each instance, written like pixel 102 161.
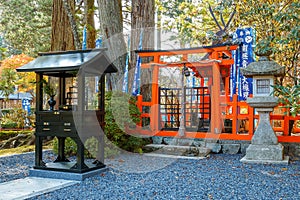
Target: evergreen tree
pixel 26 24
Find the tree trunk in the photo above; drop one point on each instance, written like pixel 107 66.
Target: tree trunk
pixel 142 19
pixel 111 27
pixel 90 23
pixel 70 13
pixel 62 35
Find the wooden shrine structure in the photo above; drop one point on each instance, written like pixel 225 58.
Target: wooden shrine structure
pixel 208 110
pixel 77 108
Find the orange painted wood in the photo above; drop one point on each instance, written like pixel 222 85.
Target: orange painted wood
pixel 231 108
pixel 216 122
pixel 149 53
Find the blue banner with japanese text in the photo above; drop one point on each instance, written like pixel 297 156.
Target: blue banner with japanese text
pixel 243 56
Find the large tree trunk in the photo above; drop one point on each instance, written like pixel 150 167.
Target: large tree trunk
pixel 111 27
pixel 62 35
pixel 142 19
pixel 90 23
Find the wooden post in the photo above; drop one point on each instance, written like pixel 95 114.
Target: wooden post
pixel 154 115
pixel 234 114
pixel 39 92
pixel 216 120
pixel 39 107
pixel 139 105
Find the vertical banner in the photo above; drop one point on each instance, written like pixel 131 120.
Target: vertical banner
pixel 84 38
pixel 233 74
pixel 99 42
pixel 242 57
pixel 137 74
pixel 125 80
pixel 26 105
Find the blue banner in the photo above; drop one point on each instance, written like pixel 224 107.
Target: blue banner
pixel 242 57
pixel 137 74
pixel 233 73
pixel 26 105
pixel 137 78
pixel 84 38
pixel 125 80
pixel 99 42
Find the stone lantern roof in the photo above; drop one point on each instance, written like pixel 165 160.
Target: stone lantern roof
pixel 263 67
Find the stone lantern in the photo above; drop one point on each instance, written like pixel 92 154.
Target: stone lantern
pixel 264 147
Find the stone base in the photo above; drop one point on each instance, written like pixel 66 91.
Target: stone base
pixel 285 161
pixel 65 175
pixel 176 150
pixel 265 154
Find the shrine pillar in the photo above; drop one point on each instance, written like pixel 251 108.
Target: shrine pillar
pixel 216 119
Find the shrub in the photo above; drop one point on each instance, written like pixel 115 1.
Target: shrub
pixel 121 111
pixel 8 123
pixel 91 146
pixel 14 118
pixel 289 97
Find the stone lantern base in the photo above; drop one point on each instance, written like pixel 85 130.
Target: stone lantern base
pixel 264 147
pixel 265 154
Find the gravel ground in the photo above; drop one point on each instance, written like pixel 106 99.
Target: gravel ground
pixel 133 176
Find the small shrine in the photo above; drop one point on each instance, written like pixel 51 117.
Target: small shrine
pixel 70 87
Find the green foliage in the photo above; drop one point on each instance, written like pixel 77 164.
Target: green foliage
pixel 8 81
pixel 121 111
pixel 48 88
pixel 276 23
pixel 26 24
pixel 192 21
pixel 277 26
pixel 8 123
pixel 91 148
pixel 15 118
pixel 70 146
pixel 3 49
pixel 6 50
pixel 91 145
pixel 289 97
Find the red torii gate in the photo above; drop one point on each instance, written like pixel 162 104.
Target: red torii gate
pixel 217 68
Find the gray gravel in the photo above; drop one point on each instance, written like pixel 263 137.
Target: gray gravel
pixel 133 176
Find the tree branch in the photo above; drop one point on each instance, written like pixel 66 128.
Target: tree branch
pixel 214 17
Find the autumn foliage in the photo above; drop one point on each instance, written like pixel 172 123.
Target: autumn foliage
pixel 24 80
pixel 15 61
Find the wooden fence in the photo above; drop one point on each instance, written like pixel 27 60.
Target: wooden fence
pixel 240 121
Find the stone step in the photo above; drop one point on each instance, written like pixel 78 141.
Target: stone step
pixel 31 186
pixel 177 150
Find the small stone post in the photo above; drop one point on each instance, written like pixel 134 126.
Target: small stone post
pixel 264 147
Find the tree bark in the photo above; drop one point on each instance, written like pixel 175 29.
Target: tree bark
pixel 142 19
pixel 90 23
pixel 62 36
pixel 70 13
pixel 111 27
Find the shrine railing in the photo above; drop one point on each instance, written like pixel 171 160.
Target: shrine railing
pixel 239 123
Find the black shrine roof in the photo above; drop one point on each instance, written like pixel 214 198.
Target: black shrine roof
pixel 67 61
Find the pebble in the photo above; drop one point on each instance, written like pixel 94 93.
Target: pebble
pixel 135 176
